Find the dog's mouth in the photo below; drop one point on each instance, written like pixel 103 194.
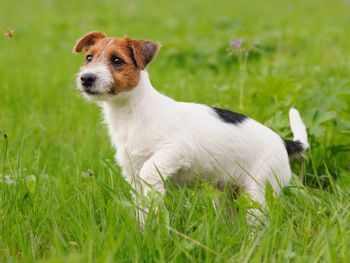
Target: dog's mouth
pixel 92 93
pixel 110 92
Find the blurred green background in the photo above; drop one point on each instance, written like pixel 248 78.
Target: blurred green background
pixel 298 56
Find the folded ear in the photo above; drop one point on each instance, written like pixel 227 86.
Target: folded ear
pixel 87 40
pixel 143 51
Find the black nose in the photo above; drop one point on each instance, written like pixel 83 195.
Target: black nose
pixel 87 80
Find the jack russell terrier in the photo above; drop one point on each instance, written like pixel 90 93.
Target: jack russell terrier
pixel 158 138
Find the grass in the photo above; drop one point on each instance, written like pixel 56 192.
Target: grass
pixel 62 198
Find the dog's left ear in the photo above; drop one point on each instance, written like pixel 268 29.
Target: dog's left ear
pixel 87 40
pixel 143 51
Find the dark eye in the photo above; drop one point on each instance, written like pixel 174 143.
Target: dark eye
pixel 117 61
pixel 89 58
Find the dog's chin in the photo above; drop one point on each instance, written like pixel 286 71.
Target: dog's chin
pixel 105 93
pixel 97 95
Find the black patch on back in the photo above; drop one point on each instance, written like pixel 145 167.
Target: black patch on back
pixel 230 116
pixel 293 147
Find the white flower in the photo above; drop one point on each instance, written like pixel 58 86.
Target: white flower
pixel 7 179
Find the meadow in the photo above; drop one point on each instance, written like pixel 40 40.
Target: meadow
pixel 62 197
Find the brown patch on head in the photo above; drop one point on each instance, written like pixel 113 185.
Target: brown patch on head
pixel 124 58
pixel 126 75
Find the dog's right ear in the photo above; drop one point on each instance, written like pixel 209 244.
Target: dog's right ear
pixel 87 40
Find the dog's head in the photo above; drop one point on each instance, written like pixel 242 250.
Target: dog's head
pixel 111 65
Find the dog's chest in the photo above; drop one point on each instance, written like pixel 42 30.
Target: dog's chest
pixel 133 139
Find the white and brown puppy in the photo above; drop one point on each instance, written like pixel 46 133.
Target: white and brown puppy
pixel 157 137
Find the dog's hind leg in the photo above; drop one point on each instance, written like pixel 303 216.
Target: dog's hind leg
pixel 255 185
pixel 277 174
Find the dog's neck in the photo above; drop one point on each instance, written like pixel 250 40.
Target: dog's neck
pixel 126 103
pixel 130 108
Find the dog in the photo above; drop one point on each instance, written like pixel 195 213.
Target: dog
pixel 157 138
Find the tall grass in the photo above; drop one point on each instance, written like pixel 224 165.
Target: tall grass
pixel 62 197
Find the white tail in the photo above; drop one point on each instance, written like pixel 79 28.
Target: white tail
pixel 298 128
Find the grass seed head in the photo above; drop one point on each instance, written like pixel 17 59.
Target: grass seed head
pixel 9 33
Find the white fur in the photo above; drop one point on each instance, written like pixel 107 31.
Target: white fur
pixel 154 135
pixel 298 128
pixel 102 85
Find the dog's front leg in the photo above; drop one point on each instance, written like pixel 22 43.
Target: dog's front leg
pixel 163 164
pixel 159 167
pixel 132 178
